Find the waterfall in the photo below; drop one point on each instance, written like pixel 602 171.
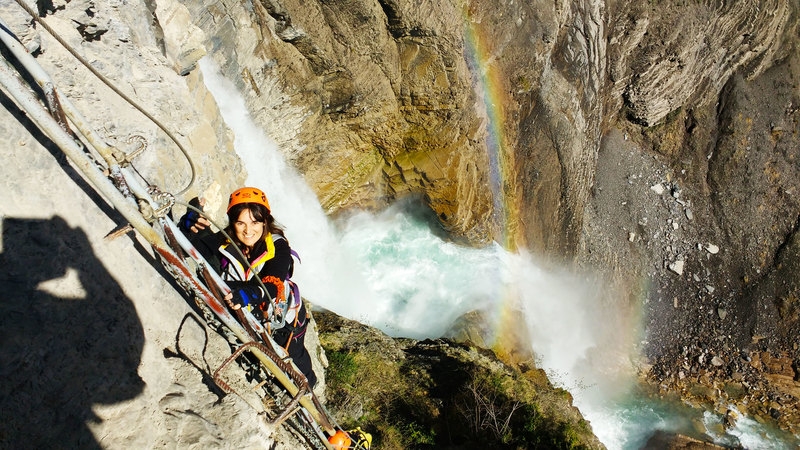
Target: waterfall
pixel 392 270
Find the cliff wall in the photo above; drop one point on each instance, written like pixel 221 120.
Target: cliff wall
pixel 99 349
pixel 654 143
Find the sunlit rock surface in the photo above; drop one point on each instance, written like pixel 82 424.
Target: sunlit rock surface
pixel 535 124
pixel 545 126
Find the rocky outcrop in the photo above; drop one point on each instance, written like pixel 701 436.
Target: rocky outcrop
pixel 666 56
pixel 760 385
pixel 666 441
pixel 437 100
pixel 443 394
pixel 701 208
pixel 371 101
pixel 494 115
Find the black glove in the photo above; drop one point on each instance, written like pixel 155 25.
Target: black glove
pixel 191 217
pixel 188 219
pixel 245 294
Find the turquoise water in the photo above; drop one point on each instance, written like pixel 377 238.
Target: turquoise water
pixel 635 418
pixel 396 271
pixel 420 283
pixel 426 282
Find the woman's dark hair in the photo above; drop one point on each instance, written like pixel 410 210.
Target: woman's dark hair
pixel 260 214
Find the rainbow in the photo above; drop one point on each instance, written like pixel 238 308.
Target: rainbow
pixel 491 87
pixel 558 314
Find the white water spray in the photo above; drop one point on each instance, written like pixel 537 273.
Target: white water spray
pixel 390 270
pixel 325 270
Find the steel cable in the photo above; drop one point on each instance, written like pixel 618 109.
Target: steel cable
pixel 108 83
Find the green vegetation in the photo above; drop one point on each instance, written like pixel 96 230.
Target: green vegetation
pixel 342 369
pixel 433 394
pixel 366 390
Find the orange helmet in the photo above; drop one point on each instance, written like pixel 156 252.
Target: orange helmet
pixel 340 440
pixel 248 195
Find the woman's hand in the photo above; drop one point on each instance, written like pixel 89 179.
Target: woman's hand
pixel 192 220
pixel 228 299
pixel 201 224
pixel 243 294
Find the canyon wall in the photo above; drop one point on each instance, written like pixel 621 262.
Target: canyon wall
pixel 653 143
pixel 491 113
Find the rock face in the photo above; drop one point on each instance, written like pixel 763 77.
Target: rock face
pixel 545 125
pixel 727 214
pixel 97 348
pixel 370 101
pixel 537 124
pixel 475 110
pixel 667 55
pixel 665 441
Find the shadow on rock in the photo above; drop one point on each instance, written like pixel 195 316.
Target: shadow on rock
pixel 69 336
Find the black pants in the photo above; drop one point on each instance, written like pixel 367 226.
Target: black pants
pixel 297 346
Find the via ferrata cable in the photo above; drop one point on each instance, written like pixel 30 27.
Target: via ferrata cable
pixel 108 83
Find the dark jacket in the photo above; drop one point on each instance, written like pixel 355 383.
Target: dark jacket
pixel 271 258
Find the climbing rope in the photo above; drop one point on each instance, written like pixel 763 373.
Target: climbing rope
pixel 108 83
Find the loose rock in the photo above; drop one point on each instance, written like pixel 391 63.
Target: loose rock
pixel 677 267
pixel 657 188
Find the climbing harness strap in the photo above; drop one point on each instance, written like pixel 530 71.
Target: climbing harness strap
pixel 237 269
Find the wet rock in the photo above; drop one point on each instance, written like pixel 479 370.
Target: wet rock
pixel 663 440
pixel 730 418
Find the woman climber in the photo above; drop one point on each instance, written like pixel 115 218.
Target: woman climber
pixel 262 242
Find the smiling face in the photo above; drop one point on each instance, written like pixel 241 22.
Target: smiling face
pixel 248 229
